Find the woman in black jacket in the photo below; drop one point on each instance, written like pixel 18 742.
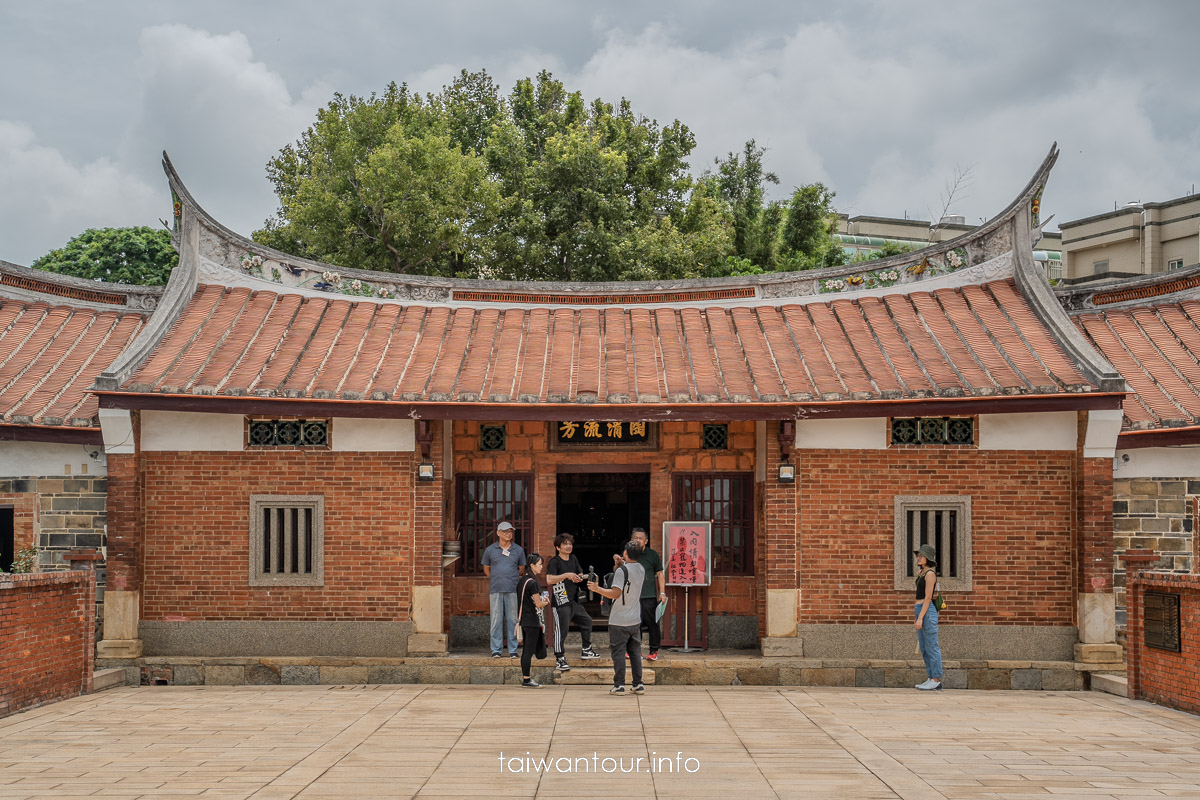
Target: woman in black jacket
pixel 532 622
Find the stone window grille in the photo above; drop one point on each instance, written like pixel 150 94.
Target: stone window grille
pixel 287 540
pixel 933 430
pixel 715 437
pixel 943 521
pixel 491 437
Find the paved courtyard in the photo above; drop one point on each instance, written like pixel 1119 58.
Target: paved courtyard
pixel 272 743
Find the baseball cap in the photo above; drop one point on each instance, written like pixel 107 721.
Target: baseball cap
pixel 504 526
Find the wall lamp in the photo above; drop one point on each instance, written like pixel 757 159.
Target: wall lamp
pixel 425 440
pixel 787 435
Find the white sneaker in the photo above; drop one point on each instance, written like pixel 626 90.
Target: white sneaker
pixel 927 685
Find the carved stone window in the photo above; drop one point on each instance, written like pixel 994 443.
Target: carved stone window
pixel 715 437
pixel 933 430
pixel 287 540
pixel 943 521
pixel 288 433
pixel 491 437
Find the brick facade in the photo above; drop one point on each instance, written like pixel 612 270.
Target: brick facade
pixel 1156 514
pixel 47 623
pixel 1022 518
pixel 196 548
pixel 1161 676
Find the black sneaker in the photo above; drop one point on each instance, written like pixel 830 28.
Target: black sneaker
pixel 495 655
pixel 617 690
pixel 639 689
pixel 530 683
pixel 589 654
pixel 562 665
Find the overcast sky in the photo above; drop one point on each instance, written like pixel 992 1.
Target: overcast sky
pixel 883 101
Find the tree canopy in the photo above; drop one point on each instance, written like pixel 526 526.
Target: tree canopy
pixel 117 255
pixel 538 184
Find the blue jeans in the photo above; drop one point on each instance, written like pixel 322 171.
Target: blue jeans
pixel 504 618
pixel 927 639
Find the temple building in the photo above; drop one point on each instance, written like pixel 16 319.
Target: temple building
pixel 290 445
pixel 307 460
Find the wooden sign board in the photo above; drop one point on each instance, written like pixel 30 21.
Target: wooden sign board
pixel 687 553
pixel 594 432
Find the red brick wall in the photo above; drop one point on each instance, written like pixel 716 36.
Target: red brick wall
pixel 1161 676
pixel 527 450
pixel 47 623
pixel 196 547
pixel 1022 516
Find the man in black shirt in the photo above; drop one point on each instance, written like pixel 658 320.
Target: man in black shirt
pixel 564 574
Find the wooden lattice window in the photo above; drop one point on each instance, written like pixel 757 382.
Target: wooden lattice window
pixel 287 540
pixel 483 502
pixel 727 499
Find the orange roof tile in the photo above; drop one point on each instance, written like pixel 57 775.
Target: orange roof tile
pixel 976 340
pixel 1156 348
pixel 50 354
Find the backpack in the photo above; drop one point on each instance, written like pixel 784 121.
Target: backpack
pixel 937 602
pixel 606 604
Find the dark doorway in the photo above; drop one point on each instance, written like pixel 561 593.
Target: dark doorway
pixel 7 543
pixel 600 509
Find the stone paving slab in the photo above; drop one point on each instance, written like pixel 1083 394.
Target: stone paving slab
pixel 386 741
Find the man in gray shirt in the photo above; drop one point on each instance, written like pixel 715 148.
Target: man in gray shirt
pixel 625 619
pixel 503 563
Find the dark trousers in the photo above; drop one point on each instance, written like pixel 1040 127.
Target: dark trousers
pixel 626 639
pixel 649 611
pixel 534 644
pixel 563 615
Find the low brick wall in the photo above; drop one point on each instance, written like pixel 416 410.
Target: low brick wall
pixel 1162 676
pixel 47 641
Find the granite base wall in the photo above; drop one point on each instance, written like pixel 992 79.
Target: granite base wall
pixel 275 638
pixel 983 642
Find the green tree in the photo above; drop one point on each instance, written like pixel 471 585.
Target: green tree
pixel 742 182
pixel 536 185
pixel 117 255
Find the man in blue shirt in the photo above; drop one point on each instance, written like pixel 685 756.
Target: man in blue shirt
pixel 503 563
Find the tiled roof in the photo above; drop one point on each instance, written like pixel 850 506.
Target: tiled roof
pixel 49 355
pixel 1156 347
pixel 974 340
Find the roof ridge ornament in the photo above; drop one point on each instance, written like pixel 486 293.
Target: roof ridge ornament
pixel 230 259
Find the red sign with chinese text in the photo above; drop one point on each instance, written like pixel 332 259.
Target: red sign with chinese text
pixel 687 548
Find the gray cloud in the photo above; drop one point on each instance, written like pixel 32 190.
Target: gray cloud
pixel 880 100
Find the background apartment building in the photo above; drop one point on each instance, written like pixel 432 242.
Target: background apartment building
pixel 1137 239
